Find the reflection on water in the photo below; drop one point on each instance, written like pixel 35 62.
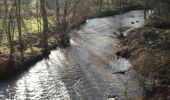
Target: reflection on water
pixel 83 71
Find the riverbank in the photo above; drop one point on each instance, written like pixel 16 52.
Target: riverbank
pixel 148 49
pixel 106 13
pixel 37 54
pixel 31 56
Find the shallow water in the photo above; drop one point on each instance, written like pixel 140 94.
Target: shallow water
pixel 87 70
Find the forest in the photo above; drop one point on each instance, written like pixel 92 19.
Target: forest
pixel 31 29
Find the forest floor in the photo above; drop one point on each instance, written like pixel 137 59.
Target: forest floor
pixel 149 49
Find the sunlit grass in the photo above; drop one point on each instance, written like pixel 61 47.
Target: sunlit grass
pixel 35 25
pixel 29 26
pixel 33 51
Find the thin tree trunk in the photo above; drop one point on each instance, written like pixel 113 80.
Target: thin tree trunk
pixel 18 14
pixel 64 21
pixel 145 8
pixel 37 15
pixel 101 6
pixel 74 12
pixel 160 8
pixel 57 10
pixel 108 4
pixel 45 26
pixel 8 20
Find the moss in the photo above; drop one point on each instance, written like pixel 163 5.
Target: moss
pixel 33 51
pixel 4 49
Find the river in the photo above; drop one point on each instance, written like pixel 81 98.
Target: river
pixel 84 71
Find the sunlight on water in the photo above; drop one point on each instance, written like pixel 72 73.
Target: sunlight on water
pixel 57 57
pixel 73 43
pixel 41 82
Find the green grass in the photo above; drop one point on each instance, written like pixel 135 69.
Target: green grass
pixel 30 26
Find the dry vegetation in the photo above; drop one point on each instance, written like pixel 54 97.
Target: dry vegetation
pixel 150 56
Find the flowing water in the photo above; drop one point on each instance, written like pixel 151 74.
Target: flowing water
pixel 87 70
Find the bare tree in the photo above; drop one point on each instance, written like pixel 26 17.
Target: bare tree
pixel 8 25
pixel 18 15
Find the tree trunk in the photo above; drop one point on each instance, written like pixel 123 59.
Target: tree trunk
pixel 45 27
pixel 64 20
pixel 108 4
pixel 7 22
pixel 57 10
pixel 11 57
pixel 145 8
pixel 18 14
pixel 101 6
pixel 64 38
pixel 160 8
